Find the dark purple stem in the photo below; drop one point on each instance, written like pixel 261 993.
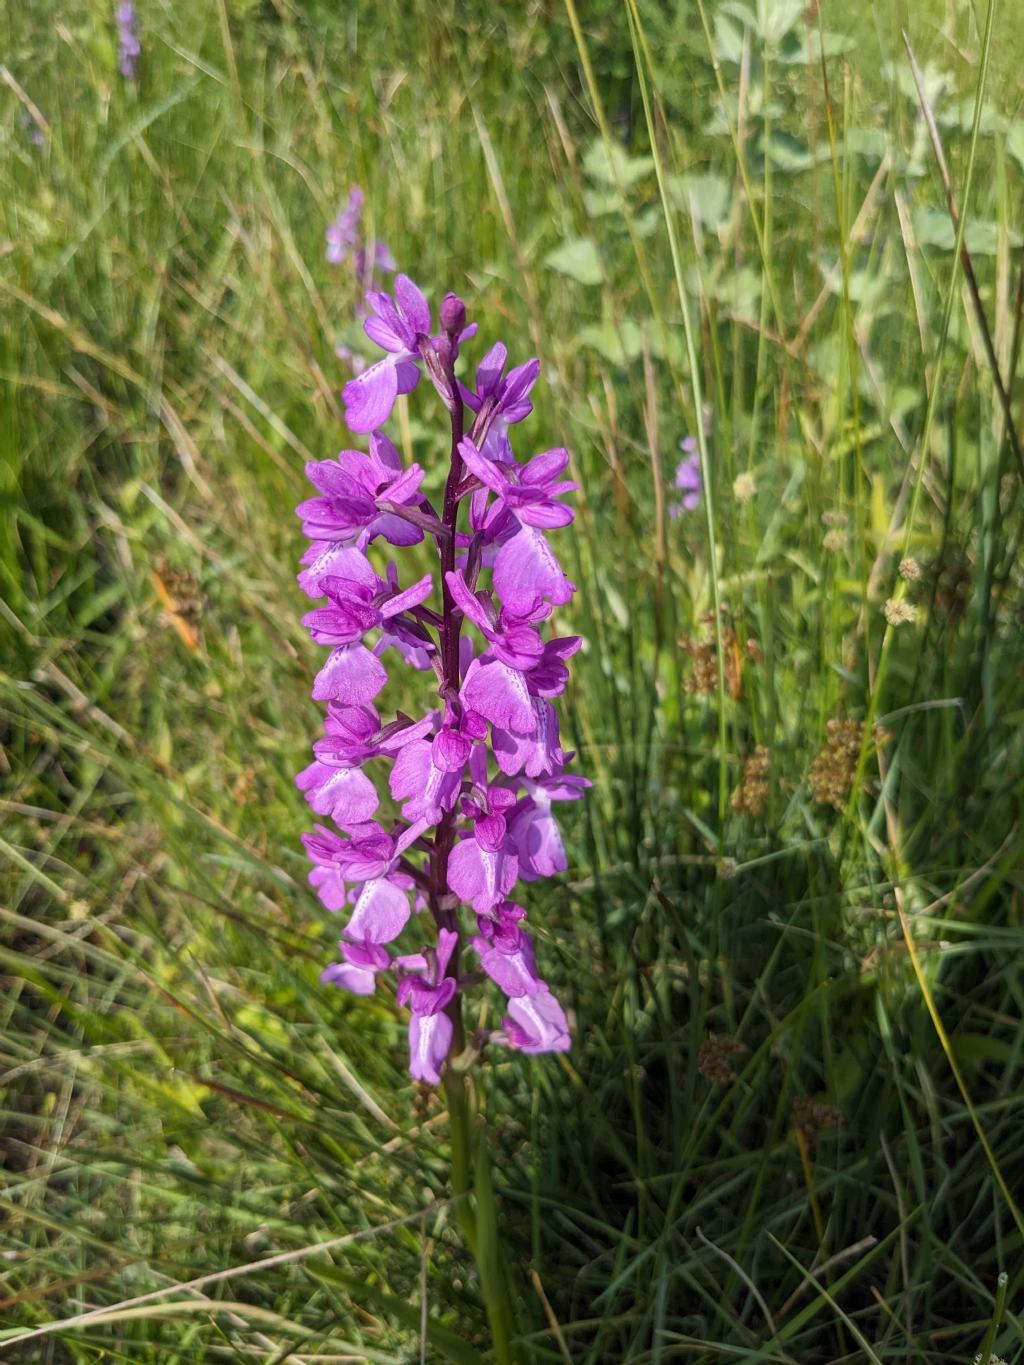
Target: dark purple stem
pixel 451 624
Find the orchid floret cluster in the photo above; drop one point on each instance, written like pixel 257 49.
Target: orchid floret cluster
pixel 129 49
pixel 474 779
pixel 688 479
pixel 344 239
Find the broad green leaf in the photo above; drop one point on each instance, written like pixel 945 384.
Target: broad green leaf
pixel 617 344
pixel 806 46
pixel 577 257
pixel 706 197
pixel 934 228
pixel 622 342
pixel 871 143
pixel 600 202
pixel 611 164
pixel 790 153
pixel 728 40
pixel 739 291
pixel 959 115
pixel 776 18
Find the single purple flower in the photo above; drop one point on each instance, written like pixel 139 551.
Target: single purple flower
pixel 513 641
pixel 483 867
pixel 536 1023
pixel 534 830
pixel 361 497
pixel 334 782
pixel 370 859
pixel 396 326
pixel 526 571
pixel 529 492
pixel 506 952
pixel 358 606
pixel 358 972
pixel 383 260
pixel 427 990
pixel 536 751
pixel 400 325
pixel 516 703
pixel 499 401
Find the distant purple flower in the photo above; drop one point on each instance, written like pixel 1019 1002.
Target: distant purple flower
pixel 475 777
pixel 344 240
pixel 379 261
pixel 688 479
pixel 343 234
pixel 33 128
pixel 128 46
pixel 355 362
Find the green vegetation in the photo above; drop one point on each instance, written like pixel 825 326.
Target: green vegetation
pixel 790 1127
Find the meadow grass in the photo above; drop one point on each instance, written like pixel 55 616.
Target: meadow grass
pixel 789 1128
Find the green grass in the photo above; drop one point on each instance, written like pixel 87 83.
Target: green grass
pixel 181 1100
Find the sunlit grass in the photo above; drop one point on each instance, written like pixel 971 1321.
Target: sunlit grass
pixel 758 1148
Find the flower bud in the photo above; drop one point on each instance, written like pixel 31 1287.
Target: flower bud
pixel 453 314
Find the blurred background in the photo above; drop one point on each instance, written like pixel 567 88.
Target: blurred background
pixel 790 1125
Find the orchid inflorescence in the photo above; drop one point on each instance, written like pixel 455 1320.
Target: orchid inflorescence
pixel 476 777
pixel 344 238
pixel 129 49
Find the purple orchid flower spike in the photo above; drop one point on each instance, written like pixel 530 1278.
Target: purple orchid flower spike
pixel 344 239
pixel 688 479
pixel 343 233
pixel 477 773
pixel 129 49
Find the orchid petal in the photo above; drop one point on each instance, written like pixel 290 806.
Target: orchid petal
pixel 536 1023
pixel 527 572
pixel 358 980
pixel 370 396
pixel 414 306
pixel 430 1037
pixel 381 912
pixel 480 877
pixel 351 674
pixel 500 694
pixel 345 794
